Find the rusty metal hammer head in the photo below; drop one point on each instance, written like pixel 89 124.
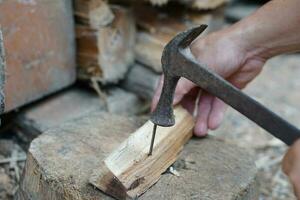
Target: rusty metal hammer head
pixel 173 64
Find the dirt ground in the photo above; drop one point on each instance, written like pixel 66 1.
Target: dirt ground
pixel 277 87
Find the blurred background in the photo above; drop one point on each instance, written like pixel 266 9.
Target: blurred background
pixel 64 59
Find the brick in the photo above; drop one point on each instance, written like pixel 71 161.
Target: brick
pixel 39 44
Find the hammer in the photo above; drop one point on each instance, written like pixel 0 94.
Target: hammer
pixel 178 62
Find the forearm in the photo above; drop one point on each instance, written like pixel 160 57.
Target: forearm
pixel 271 30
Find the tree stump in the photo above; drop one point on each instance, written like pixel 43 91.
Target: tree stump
pixel 60 163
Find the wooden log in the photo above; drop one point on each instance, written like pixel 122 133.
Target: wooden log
pixel 158 28
pixel 158 2
pixel 39 47
pixel 202 5
pixel 61 160
pixel 105 54
pixel 95 13
pixel 142 81
pixel 120 101
pixel 129 172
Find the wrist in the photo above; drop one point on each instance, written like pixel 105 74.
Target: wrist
pixel 253 40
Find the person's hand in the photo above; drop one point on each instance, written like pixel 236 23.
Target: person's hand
pixel 291 166
pixel 222 52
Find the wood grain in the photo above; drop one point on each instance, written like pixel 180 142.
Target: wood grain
pixel 131 169
pixel 106 53
pixel 142 81
pixel 95 13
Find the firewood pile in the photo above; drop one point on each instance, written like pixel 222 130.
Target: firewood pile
pixel 122 41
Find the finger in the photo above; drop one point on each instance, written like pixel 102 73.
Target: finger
pixel 189 100
pixel 294 177
pixel 287 161
pixel 204 108
pixel 296 185
pixel 291 158
pixel 184 86
pixel 291 166
pixel 157 93
pixel 217 113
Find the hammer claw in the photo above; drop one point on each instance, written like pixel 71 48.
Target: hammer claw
pixel 190 35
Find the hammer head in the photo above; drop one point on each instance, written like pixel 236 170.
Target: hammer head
pixel 171 59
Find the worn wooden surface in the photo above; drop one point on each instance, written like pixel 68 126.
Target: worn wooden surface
pixel 106 53
pixel 132 168
pixel 40 48
pixel 61 161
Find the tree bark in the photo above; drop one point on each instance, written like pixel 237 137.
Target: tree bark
pixel 157 28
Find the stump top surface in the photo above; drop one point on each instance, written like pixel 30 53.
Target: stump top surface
pixel 208 168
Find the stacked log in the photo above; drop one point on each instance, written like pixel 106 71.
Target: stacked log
pixel 111 37
pixel 157 28
pixel 95 13
pixel 105 38
pixel 192 4
pixel 203 4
